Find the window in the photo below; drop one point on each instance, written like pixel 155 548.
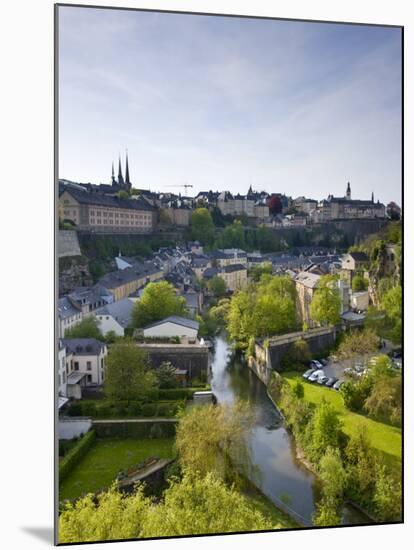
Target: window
pixel 76 365
pixel 89 378
pixel 88 365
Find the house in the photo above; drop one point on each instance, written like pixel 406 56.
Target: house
pixel 115 317
pixel 234 275
pixel 173 326
pixel 69 315
pixel 62 392
pixel 199 265
pixel 90 298
pixel 124 282
pixel 306 284
pixel 353 263
pixel 85 364
pixel 360 300
pixel 193 301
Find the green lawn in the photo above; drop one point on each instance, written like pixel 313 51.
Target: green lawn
pixel 106 458
pixel 385 438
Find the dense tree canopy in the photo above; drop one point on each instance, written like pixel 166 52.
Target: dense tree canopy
pixel 326 303
pixel 189 507
pixel 202 226
pixel 358 342
pixel 217 286
pixel 159 300
pixel 263 309
pixel 128 375
pixel 87 328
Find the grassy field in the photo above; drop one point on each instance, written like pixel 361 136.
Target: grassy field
pixel 264 505
pixel 106 458
pixel 385 438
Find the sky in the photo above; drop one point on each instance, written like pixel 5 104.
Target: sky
pixel 223 103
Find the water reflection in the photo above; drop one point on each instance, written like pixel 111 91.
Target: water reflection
pixel 276 471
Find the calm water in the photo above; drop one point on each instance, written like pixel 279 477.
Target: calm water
pixel 276 470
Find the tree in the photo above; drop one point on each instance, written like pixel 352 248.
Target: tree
pixel 200 506
pixel 327 514
pixel 257 271
pixel 391 303
pixel 385 401
pixel 333 476
pixel 159 300
pixel 202 226
pixel 275 205
pixel 324 431
pixel 109 516
pixel 232 236
pixel 191 506
pixel 166 375
pixel 208 437
pixel 358 342
pixel 387 496
pixel 325 307
pixel 361 466
pixel 263 309
pixel 359 283
pixel 299 390
pixel 87 328
pixel 217 286
pixel 122 195
pixel 128 375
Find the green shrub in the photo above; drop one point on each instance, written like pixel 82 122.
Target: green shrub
pixel 134 409
pixel 75 454
pixel 149 409
pixel 155 432
pixel 88 409
pixel 104 410
pixel 75 409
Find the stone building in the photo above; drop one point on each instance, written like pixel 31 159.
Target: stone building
pixel 306 284
pixel 124 282
pixel 234 275
pixel 92 211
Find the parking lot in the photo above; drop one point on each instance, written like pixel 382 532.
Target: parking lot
pixel 338 369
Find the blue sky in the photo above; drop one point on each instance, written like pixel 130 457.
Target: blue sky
pixel 222 103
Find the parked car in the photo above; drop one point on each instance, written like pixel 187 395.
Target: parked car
pixel 324 362
pixel 322 380
pixel 349 371
pixel 315 375
pixel 358 367
pixel 331 382
pixel 307 373
pixel 338 384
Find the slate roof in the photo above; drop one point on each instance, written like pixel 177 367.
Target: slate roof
pixel 66 308
pixel 121 311
pixel 309 280
pixel 83 346
pixel 210 272
pixel 234 267
pixel 115 279
pixel 359 256
pixel 98 199
pixel 177 320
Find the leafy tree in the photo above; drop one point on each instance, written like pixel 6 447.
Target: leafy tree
pixel 202 226
pixel 359 283
pixel 122 195
pixel 166 375
pixel 297 355
pixel 326 302
pixel 128 375
pixel 391 303
pixel 355 393
pixel 387 496
pixel 258 270
pixel 266 240
pixel 189 507
pixel 209 436
pixel 332 474
pixel 358 342
pixel 275 205
pixel 111 337
pixel 109 516
pixel 201 506
pixel 361 466
pixel 385 401
pixel 263 309
pixel 217 286
pixel 325 430
pixel 232 236
pixel 327 514
pixel 159 300
pixel 87 328
pixel 97 270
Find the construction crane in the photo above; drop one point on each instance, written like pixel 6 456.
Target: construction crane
pixel 185 185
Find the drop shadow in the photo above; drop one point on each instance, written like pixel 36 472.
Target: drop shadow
pixel 44 534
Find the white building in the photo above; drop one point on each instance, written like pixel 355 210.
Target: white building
pixel 85 364
pixel 172 327
pixel 115 317
pixel 360 300
pixel 69 315
pixel 62 370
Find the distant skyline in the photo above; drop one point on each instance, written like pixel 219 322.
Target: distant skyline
pixel 224 103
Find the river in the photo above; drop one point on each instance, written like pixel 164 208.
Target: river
pixel 277 472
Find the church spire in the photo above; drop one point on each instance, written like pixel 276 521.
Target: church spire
pixel 120 177
pixel 348 191
pixel 113 173
pixel 127 182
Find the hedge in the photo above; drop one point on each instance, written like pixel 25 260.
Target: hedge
pixel 135 430
pixel 75 454
pixel 121 409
